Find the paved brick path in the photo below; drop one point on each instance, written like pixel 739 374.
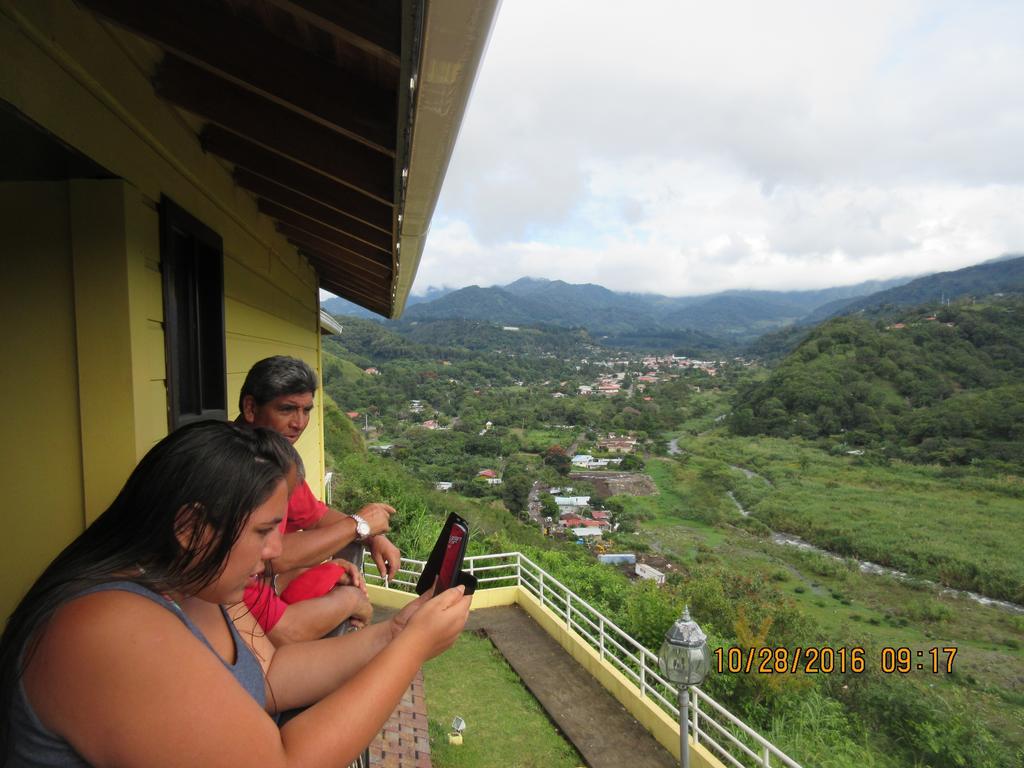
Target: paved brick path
pixel 404 742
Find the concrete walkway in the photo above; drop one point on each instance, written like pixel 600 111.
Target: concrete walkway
pixel 605 734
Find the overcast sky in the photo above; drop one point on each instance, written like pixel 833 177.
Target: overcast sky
pixel 690 147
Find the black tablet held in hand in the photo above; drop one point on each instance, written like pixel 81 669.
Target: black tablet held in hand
pixel 445 562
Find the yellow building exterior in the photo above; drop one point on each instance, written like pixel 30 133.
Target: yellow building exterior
pixel 81 298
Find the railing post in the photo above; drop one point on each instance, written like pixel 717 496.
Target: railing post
pixel 696 718
pixel 601 633
pixel 767 758
pixel 519 569
pixel 542 586
pixel 328 488
pixel 643 675
pixel 568 610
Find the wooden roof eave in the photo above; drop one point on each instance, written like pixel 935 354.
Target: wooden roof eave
pixel 454 39
pixel 337 148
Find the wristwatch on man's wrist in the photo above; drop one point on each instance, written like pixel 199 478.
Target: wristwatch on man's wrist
pixel 362 528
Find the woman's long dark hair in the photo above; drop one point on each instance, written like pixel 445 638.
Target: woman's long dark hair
pixel 170 529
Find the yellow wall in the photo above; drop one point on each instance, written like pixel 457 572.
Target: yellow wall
pixel 94 245
pixel 118 315
pixel 40 456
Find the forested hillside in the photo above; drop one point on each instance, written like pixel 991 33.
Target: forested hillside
pixel 1005 274
pixel 453 339
pixel 944 387
pixel 692 325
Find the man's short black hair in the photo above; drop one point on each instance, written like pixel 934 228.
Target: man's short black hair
pixel 276 376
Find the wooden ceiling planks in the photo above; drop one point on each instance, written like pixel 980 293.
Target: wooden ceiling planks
pixel 353 278
pixel 373 269
pixel 250 56
pixel 377 298
pixel 314 209
pixel 302 97
pixel 276 128
pixel 374 26
pixel 381 307
pixel 324 232
pixel 311 182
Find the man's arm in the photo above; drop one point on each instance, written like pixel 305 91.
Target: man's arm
pixel 312 619
pixel 332 532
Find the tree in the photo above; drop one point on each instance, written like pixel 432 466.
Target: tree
pixel 548 506
pixel 631 463
pixel 556 457
pixel 515 491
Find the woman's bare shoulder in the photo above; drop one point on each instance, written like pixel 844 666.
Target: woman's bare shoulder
pixel 87 634
pixel 103 616
pixel 119 657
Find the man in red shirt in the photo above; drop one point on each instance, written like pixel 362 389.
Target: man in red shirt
pixel 278 394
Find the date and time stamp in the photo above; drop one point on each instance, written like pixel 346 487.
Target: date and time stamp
pixel 826 660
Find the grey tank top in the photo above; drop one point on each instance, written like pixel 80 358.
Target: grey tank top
pixel 34 745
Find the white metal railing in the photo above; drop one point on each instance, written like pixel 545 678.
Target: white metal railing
pixel 711 724
pixel 328 488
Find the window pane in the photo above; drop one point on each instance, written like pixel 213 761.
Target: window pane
pixel 192 263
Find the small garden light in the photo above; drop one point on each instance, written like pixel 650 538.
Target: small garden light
pixel 458 726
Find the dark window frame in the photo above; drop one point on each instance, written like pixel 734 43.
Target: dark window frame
pixel 192 273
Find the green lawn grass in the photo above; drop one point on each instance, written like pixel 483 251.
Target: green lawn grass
pixel 505 726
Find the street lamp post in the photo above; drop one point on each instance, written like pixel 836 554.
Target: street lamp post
pixel 683 660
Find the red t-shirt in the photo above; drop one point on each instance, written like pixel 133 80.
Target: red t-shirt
pixel 304 511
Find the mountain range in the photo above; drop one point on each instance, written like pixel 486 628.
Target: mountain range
pixel 719 321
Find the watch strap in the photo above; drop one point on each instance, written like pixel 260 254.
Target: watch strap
pixel 361 525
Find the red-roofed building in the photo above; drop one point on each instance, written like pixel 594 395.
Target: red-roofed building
pixel 352 414
pixel 487 473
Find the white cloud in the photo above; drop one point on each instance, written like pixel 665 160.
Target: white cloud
pixel 685 147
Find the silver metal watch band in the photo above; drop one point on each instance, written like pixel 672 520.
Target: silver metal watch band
pixel 361 523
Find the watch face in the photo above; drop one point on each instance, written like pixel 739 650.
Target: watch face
pixel 362 529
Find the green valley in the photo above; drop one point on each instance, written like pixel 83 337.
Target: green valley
pixel 757 505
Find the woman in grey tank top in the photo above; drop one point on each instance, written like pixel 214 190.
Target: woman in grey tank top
pixel 122 652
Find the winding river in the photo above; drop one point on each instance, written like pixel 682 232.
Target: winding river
pixel 865 566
